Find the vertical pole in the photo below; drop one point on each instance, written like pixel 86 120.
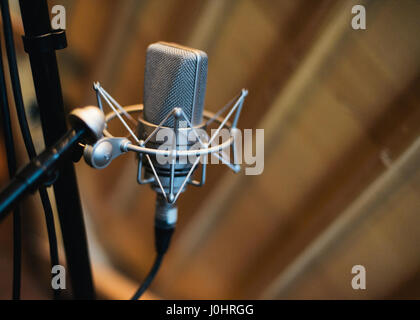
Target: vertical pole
pixel 36 22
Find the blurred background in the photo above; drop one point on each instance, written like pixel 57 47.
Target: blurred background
pixel 341 185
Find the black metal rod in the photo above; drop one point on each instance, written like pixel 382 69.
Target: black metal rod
pixel 36 22
pixel 39 170
pixel 11 163
pixel 24 127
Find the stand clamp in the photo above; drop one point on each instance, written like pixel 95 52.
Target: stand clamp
pixel 54 40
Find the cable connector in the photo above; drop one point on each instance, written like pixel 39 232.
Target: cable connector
pixel 166 216
pixel 165 221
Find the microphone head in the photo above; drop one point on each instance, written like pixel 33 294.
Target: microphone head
pixel 175 77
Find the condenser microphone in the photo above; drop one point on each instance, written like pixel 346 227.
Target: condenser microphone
pixel 175 77
pixel 175 81
pixel 173 102
pixel 174 86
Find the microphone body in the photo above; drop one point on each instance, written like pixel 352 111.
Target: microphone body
pixel 167 133
pixel 175 77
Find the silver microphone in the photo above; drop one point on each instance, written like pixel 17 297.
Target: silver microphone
pixel 174 93
pixel 175 79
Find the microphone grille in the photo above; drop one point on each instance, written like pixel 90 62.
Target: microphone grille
pixel 175 77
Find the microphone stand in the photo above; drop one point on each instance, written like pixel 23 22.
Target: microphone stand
pixel 40 170
pixel 40 43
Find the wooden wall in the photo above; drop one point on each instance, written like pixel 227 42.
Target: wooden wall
pixel 340 110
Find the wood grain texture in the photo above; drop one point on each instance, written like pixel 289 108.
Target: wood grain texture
pixel 340 110
pixel 328 101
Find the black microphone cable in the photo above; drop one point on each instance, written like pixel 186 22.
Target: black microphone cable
pixel 20 109
pixel 151 275
pixel 11 163
pixel 165 221
pixel 162 239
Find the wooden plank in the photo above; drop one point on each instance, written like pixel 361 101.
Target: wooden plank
pixel 355 169
pixel 309 154
pixel 378 231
